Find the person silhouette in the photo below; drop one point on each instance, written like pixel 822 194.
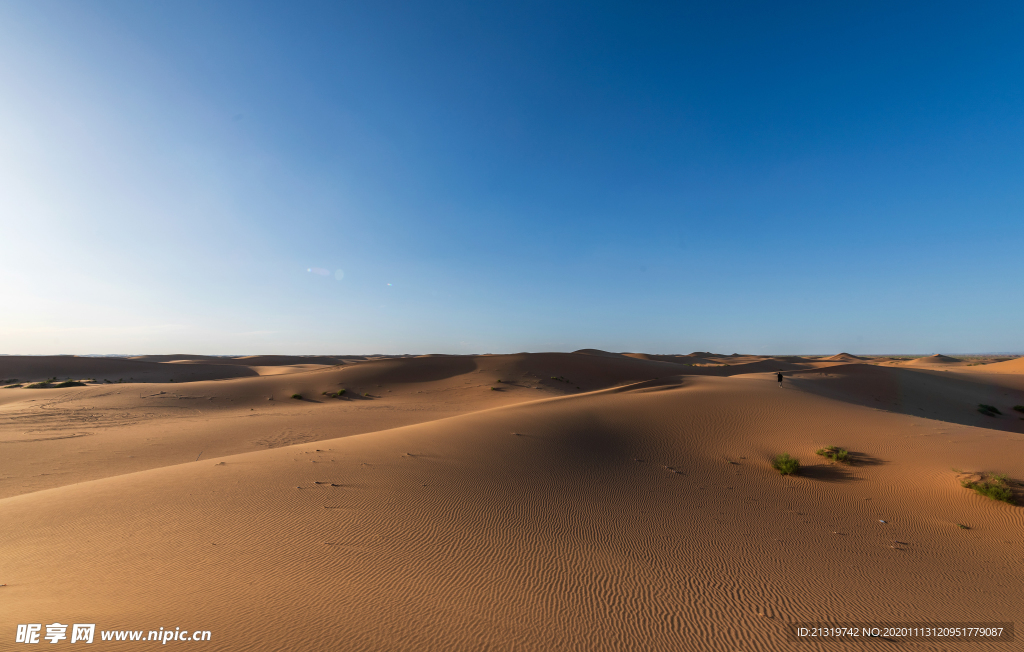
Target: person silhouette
pixel 780 379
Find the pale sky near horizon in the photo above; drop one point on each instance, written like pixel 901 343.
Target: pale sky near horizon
pixel 459 177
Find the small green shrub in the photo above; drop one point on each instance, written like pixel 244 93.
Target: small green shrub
pixel 835 454
pixel 993 486
pixel 988 410
pixel 38 385
pixel 70 383
pixel 297 396
pixel 786 464
pixel 495 389
pixel 962 526
pixel 1019 408
pixel 340 393
pixel 12 386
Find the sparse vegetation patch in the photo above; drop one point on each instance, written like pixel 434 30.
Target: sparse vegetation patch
pixel 988 410
pixel 1019 408
pixel 297 396
pixel 991 485
pixel 836 454
pixel 786 464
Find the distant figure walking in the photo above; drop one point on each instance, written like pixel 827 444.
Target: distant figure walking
pixel 780 379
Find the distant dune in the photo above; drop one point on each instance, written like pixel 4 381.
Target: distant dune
pixel 1015 366
pixel 271 360
pixel 844 357
pixel 36 368
pixel 933 360
pixel 598 352
pixel 178 356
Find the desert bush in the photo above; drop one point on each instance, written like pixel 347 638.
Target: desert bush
pixel 297 396
pixel 340 393
pixel 988 410
pixel 12 386
pixel 38 385
pixel 70 383
pixel 835 454
pixel 994 486
pixel 786 464
pixel 1019 408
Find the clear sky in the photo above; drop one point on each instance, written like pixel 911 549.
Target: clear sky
pixel 458 177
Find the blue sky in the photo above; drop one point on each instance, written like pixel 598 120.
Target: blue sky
pixel 498 177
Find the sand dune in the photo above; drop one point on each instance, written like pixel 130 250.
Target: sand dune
pixel 274 360
pixel 53 437
pixel 952 398
pixel 678 359
pixel 179 356
pixel 1015 366
pixel 28 368
pixel 937 359
pixel 844 357
pixel 639 512
pixel 598 352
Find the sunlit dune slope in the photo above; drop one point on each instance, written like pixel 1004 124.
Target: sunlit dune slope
pixel 179 356
pixel 1015 366
pixel 844 357
pixel 643 517
pixel 53 437
pixel 929 360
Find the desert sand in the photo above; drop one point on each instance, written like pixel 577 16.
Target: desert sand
pixel 536 501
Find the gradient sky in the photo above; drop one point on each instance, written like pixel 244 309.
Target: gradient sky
pixel 247 177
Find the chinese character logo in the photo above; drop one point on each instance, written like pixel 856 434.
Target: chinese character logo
pixel 82 633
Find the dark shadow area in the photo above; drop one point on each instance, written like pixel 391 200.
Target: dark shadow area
pixel 863 459
pixel 948 396
pixel 827 473
pixel 414 370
